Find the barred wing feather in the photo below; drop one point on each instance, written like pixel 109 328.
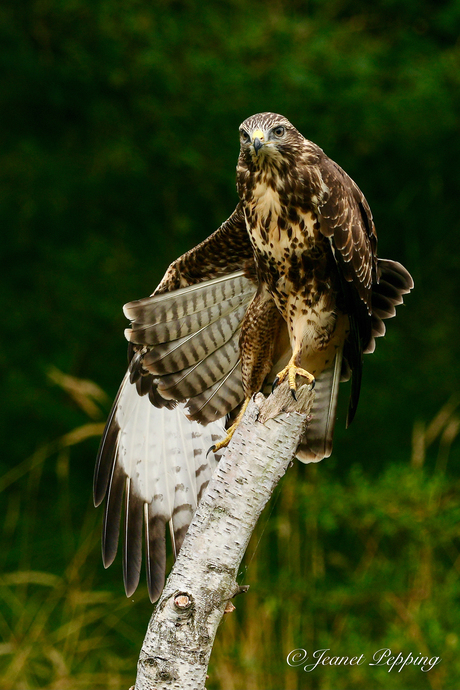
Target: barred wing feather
pixel 152 463
pixel 187 344
pixel 208 298
pixel 159 464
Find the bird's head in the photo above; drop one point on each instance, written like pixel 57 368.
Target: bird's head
pixel 266 137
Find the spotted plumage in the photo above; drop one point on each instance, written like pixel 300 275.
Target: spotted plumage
pixel 290 285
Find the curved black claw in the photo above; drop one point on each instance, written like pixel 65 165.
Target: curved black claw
pixel 293 394
pixel 312 384
pixel 275 383
pixel 211 450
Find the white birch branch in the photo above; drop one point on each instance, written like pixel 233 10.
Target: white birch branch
pixel 181 632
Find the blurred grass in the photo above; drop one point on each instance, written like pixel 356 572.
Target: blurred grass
pixel 352 564
pixel 120 142
pixel 58 631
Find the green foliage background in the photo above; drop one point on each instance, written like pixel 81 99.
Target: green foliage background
pixel 118 125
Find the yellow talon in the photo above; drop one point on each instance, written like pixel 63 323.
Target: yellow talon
pixel 231 430
pixel 225 441
pixel 290 372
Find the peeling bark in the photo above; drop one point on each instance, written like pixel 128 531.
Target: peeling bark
pixel 181 632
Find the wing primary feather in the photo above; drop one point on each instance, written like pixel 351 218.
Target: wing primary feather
pixel 132 547
pixel 107 450
pixel 132 554
pixel 169 509
pixel 112 516
pixel 185 498
pixel 155 553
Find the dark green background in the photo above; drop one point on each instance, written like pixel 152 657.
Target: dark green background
pixel 119 139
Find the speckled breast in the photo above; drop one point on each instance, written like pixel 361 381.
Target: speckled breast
pixel 293 257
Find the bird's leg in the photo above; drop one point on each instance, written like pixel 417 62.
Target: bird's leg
pixel 231 430
pixel 290 371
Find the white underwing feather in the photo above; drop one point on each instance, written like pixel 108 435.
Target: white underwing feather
pixel 162 457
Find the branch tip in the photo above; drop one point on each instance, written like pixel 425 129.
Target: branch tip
pixel 182 601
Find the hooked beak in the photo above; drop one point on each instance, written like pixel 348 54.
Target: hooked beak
pixel 258 140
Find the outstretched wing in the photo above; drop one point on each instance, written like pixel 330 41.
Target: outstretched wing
pixel 226 251
pixel 183 347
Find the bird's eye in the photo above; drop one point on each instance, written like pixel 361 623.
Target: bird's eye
pixel 279 131
pixel 244 136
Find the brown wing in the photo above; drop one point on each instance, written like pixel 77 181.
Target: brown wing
pixel 347 219
pixel 183 346
pixel 155 463
pixel 227 250
pixel 370 288
pixel 188 344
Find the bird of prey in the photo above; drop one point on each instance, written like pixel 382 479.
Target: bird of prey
pixel 289 287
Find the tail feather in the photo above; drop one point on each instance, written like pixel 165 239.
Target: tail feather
pixel 316 443
pixel 394 281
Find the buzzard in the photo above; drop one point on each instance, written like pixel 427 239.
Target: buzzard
pixel 289 287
